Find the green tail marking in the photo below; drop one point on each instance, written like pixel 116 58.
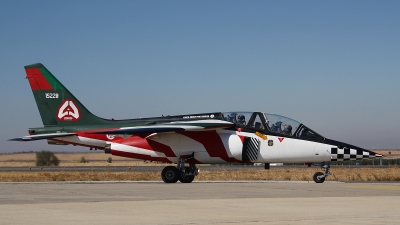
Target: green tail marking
pixel 57 106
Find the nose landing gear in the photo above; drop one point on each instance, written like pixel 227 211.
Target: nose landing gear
pixel 319 177
pixel 185 174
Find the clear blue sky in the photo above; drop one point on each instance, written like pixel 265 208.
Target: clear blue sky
pixel 332 65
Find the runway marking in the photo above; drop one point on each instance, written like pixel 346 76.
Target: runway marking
pixel 390 188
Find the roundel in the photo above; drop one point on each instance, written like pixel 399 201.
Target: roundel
pixel 110 136
pixel 68 111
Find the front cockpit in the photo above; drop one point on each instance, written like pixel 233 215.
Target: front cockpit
pixel 271 124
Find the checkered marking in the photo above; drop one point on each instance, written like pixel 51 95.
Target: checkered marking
pixel 346 154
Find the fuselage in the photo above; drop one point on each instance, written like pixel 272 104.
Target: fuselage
pixel 252 140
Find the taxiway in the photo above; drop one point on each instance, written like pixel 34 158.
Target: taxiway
pixel 199 203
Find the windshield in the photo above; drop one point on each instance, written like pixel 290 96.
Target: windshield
pixel 281 124
pixel 271 122
pixel 307 133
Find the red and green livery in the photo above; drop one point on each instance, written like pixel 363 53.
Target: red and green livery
pixel 187 140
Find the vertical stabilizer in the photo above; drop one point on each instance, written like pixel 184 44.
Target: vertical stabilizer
pixel 57 106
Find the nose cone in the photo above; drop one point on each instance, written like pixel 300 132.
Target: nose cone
pixel 349 153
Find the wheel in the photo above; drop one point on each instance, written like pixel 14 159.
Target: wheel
pixel 318 180
pixel 185 178
pixel 170 174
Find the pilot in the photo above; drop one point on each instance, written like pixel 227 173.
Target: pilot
pixel 276 127
pixel 232 117
pixel 241 119
pixel 288 130
pixel 304 133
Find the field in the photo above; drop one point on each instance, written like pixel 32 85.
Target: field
pixel 100 159
pixel 71 159
pixel 339 174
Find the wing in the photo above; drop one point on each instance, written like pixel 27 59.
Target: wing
pixel 41 136
pixel 156 128
pixel 171 127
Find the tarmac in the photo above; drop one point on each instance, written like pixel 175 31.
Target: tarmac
pixel 218 203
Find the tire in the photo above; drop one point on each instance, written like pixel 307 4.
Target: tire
pixel 185 178
pixel 170 174
pixel 316 175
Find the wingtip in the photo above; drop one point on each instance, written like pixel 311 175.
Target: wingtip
pixel 18 139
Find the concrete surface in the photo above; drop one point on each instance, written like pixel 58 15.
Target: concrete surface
pixel 199 203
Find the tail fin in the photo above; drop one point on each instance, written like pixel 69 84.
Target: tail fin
pixel 57 106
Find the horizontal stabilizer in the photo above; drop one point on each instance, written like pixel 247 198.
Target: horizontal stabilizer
pixel 42 136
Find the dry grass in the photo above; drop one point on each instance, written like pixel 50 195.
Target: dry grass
pixel 339 174
pixel 100 159
pixel 394 153
pixel 72 159
pixel 77 176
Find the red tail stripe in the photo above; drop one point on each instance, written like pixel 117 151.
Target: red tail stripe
pixel 37 80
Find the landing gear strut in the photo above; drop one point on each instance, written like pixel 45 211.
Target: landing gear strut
pixel 185 174
pixel 319 177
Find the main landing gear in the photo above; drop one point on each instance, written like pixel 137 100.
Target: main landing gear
pixel 185 174
pixel 319 177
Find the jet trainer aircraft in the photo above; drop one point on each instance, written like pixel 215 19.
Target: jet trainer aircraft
pixel 187 140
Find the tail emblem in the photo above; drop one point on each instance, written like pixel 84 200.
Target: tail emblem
pixel 68 111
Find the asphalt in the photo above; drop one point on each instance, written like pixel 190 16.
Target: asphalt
pixel 266 202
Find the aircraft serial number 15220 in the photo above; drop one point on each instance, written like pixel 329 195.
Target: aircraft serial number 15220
pixel 187 140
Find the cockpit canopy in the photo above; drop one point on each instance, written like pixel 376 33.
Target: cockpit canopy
pixel 271 123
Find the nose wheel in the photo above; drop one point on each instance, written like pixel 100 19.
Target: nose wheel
pixel 319 177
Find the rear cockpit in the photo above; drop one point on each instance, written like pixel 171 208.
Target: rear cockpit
pixel 271 124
